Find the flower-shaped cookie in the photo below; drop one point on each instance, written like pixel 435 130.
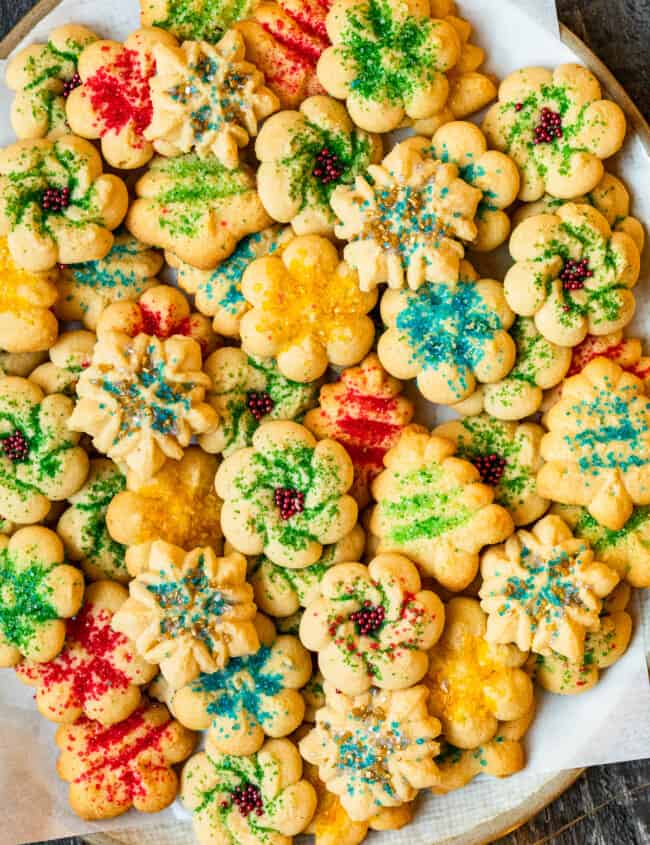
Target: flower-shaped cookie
pixel 113 101
pixel 194 20
pixel 366 412
pixel 557 128
pixel 304 155
pixel 256 800
pixel 43 75
pixel 506 455
pixel 98 673
pixel 111 769
pixel 69 356
pixel 254 697
pixel 141 399
pixel 207 98
pixel 572 273
pixel 189 612
pixel 307 310
pixel 374 750
pixel 196 208
pixel 37 590
pixel 407 220
pixel 449 338
pixel 86 289
pixel 373 626
pixel 493 173
pixel 542 589
pixel 40 461
pixel 82 527
pixel 178 505
pixel 56 205
pixel 285 495
pixel 281 592
pixel 247 392
pixel 597 451
pixel 432 507
pixel 388 60
pixel 473 684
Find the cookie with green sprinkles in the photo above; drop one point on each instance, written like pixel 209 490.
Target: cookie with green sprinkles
pixel 260 799
pixel 558 129
pixel 69 357
pixel 194 20
pixel 38 591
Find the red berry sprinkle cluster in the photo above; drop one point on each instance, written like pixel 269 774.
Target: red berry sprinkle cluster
pixel 259 403
pixel 574 273
pixel 70 84
pixel 247 799
pixel 289 501
pixel 491 467
pixel 327 167
pixel 15 447
pixel 549 127
pixel 369 618
pixel 55 199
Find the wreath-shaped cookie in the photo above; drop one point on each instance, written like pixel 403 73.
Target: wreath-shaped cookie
pixel 407 220
pixel 69 356
pixel 194 20
pixel 56 205
pixel 557 128
pixel 388 61
pixel 38 592
pixel 304 156
pixel 572 274
pixel 432 507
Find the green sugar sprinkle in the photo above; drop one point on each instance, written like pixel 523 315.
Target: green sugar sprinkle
pixel 206 20
pixel 25 601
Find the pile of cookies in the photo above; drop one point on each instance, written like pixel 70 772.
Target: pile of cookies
pixel 218 514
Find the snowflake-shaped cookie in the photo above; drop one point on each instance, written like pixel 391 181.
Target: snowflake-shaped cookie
pixel 596 450
pixel 373 626
pixel 407 221
pixel 572 274
pixel 306 310
pixel 449 338
pixel 194 20
pixel 111 769
pixel 388 61
pixel 432 507
pixel 247 392
pixel 38 592
pixel 285 495
pixel 542 589
pixel 189 612
pixel 374 750
pixel 557 128
pixel 56 205
pixel 304 155
pixel 69 356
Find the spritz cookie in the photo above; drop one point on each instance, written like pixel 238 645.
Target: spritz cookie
pixel 98 673
pixel 572 274
pixel 306 310
pixel 407 220
pixel 557 128
pixel 43 75
pixel 113 103
pixel 40 461
pixel 56 205
pixel 260 799
pixel 388 61
pixel 433 508
pixel 373 626
pixel 39 590
pixel 285 495
pixel 196 208
pixel 20 363
pixel 542 589
pixel 450 338
pixel 304 156
pixel 194 20
pixel 69 356
pixel 111 769
pixel 366 412
pixel 596 450
pixel 374 750
pixel 246 393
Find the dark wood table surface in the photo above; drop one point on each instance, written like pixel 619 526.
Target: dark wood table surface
pixel 608 805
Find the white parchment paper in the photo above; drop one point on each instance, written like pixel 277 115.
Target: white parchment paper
pixel 608 724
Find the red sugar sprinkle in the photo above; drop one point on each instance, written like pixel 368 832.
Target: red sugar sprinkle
pixel 119 93
pixel 162 325
pixel 591 348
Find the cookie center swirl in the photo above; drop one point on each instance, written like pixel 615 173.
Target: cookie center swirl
pixel 16 447
pixel 402 215
pixel 289 501
pixel 491 467
pixel 259 403
pixel 55 199
pixel 367 748
pixel 189 604
pixel 327 167
pixel 548 128
pixel 369 619
pixel 248 799
pixel 575 273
